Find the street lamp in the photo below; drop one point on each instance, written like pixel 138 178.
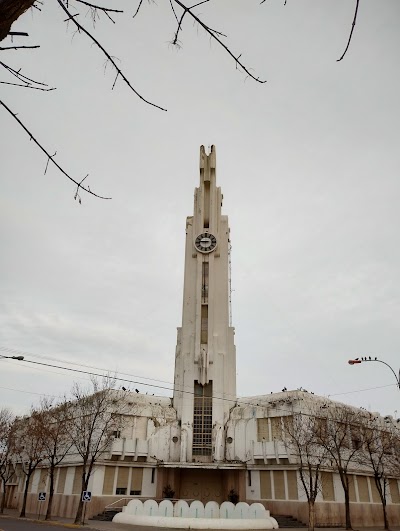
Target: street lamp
pixel 19 358
pixel 361 360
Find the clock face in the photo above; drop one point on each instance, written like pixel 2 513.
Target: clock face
pixel 205 243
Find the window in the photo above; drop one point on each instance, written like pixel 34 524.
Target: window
pixel 202 419
pixel 387 444
pixel 117 434
pixel 321 427
pixel 135 492
pixel 288 427
pixel 204 324
pixel 206 204
pixel 276 428
pixel 153 473
pixel 262 430
pixel 341 437
pixel 356 439
pixel 204 282
pixel 120 490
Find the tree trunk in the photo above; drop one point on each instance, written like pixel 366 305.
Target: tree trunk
pixel 385 518
pixel 23 508
pixel 51 494
pixel 3 498
pixel 79 512
pixel 347 507
pixel 382 495
pixel 10 11
pixel 311 515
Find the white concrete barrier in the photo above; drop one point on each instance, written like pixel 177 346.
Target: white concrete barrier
pixel 180 516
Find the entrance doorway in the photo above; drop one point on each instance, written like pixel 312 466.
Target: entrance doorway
pixel 203 485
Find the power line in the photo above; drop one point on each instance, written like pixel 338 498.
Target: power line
pixel 16 351
pixel 29 392
pixel 172 387
pixel 361 390
pixel 235 400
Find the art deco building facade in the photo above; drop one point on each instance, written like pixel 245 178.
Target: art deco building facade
pixel 204 442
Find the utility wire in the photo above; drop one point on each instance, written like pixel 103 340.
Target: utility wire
pixel 235 400
pixel 15 351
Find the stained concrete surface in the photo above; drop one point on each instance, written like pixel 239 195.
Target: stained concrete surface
pixel 10 522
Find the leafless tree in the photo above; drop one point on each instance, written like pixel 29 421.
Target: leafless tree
pixel 93 417
pixel 54 420
pixel 300 432
pixel 29 448
pixel 181 13
pixel 6 451
pixel 340 434
pixel 380 443
pixel 395 466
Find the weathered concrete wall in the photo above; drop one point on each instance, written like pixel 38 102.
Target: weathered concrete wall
pixel 328 513
pixel 65 505
pixel 333 513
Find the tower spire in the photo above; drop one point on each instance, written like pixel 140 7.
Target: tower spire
pixel 205 364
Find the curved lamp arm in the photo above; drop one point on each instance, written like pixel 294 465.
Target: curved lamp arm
pixel 357 360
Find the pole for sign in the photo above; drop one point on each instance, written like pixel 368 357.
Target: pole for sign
pixel 83 518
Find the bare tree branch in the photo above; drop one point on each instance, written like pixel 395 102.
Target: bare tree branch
pixel 179 28
pixel 97 43
pixel 10 11
pixel 173 10
pixel 18 47
pixel 18 34
pixel 28 86
pixel 351 32
pixel 50 157
pixel 214 36
pixel 138 8
pixel 25 79
pixel 105 9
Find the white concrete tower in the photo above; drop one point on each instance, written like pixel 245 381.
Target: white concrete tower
pixel 205 363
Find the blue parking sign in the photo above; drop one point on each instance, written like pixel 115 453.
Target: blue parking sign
pixel 86 496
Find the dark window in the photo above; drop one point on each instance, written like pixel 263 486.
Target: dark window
pixel 135 492
pixel 120 490
pixel 202 419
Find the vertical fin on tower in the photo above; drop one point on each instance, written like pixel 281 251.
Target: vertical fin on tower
pixel 207 181
pixel 207 163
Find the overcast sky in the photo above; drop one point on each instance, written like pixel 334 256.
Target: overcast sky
pixel 309 168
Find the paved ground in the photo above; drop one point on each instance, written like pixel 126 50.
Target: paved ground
pixel 10 522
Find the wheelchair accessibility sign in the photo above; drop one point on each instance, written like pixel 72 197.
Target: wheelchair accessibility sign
pixel 86 496
pixel 42 496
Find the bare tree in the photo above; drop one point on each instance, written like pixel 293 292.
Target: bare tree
pixel 340 434
pixel 380 454
pixel 181 13
pixel 55 426
pixel 29 447
pixel 301 440
pixel 6 451
pixel 93 417
pixel 395 461
pixel 11 10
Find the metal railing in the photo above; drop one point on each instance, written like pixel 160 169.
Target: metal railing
pixel 119 504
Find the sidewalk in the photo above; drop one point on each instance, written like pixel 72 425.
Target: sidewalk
pixel 97 525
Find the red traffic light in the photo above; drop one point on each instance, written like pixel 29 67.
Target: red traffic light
pixel 353 362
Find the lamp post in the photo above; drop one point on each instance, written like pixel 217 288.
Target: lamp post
pixel 362 360
pixel 19 358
